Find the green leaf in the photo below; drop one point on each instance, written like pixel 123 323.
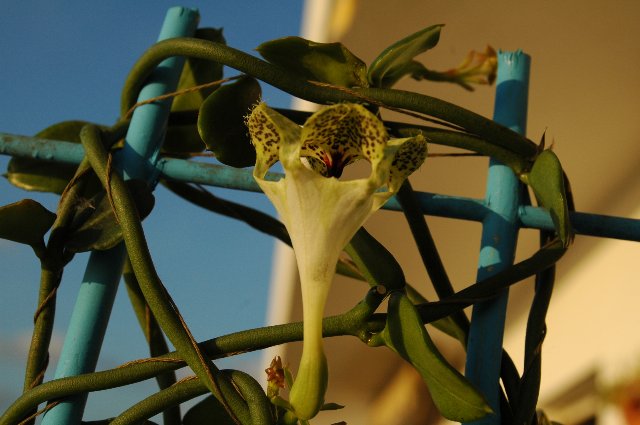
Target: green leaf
pixel 66 130
pixel 375 262
pixel 329 63
pixel 182 140
pixel 445 325
pixel 197 72
pixel 404 333
pixel 26 222
pixel 396 61
pixel 221 122
pixel 182 136
pixel 44 176
pixel 546 179
pixel 39 176
pixel 414 69
pixel 209 410
pixel 95 226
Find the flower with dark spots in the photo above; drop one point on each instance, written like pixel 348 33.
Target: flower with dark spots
pixel 322 213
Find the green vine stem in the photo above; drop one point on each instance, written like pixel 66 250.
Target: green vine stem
pixel 544 258
pixel 487 129
pixel 252 407
pixel 52 263
pixel 163 308
pixel 518 163
pixel 38 356
pixel 172 396
pixel 154 336
pixel 529 387
pixel 354 323
pixel 52 266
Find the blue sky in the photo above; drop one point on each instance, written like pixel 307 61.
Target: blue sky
pixel 68 59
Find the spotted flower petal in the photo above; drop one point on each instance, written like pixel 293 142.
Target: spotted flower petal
pixel 322 213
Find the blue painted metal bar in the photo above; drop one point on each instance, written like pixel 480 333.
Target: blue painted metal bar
pixel 97 292
pixel 241 179
pixel 499 235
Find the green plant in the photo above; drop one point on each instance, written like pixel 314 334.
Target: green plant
pixel 112 209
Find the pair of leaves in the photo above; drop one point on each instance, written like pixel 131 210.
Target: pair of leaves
pixel 333 63
pixel 27 221
pixel 94 226
pixel 221 119
pixel 330 63
pixel 405 333
pixel 397 60
pixel 379 267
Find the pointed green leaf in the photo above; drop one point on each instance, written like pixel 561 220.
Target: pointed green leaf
pixel 396 61
pixel 95 226
pixel 39 176
pixel 197 72
pixel 44 176
pixel 546 179
pixel 413 69
pixel 446 325
pixel 209 410
pixel 66 130
pixel 26 222
pixel 329 63
pixel 454 396
pixel 375 262
pixel 221 122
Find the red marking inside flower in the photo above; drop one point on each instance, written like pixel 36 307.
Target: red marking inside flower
pixel 335 162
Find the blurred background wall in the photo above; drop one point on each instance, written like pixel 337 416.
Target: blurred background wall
pixel 585 94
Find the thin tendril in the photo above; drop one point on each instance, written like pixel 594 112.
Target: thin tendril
pixel 178 93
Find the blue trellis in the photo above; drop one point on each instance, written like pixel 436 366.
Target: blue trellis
pixel 144 143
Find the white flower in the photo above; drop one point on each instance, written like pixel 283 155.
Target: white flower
pixel 322 213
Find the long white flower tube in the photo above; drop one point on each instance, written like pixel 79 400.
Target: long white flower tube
pixel 322 213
